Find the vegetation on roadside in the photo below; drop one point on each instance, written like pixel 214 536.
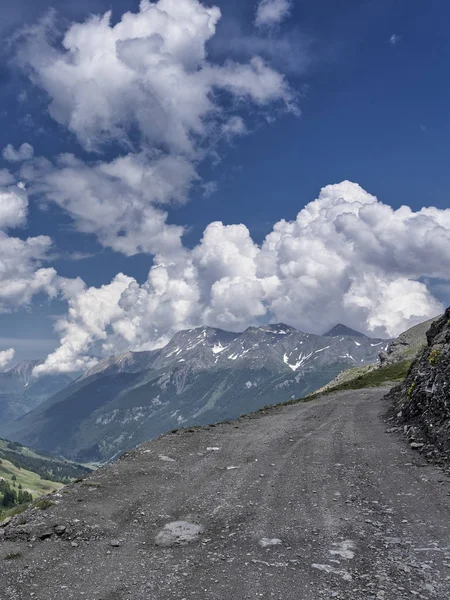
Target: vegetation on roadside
pixel 434 357
pixel 376 378
pixel 42 504
pixel 12 512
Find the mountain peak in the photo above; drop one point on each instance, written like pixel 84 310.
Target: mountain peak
pixel 23 369
pixel 341 329
pixel 275 328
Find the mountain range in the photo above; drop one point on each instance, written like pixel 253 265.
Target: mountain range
pixel 201 376
pixel 20 392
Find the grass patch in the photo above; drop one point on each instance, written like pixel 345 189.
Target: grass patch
pixel 29 481
pixel 377 378
pixel 45 467
pixel 12 512
pixel 43 504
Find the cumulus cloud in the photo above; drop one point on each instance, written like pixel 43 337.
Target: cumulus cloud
pixel 22 275
pixel 148 74
pixel 91 314
pixel 6 356
pixel 272 12
pixel 13 205
pixel 146 84
pixel 120 201
pixel 146 89
pixel 347 257
pixel 25 152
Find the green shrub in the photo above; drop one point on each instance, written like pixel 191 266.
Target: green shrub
pixel 12 512
pixel 44 504
pixel 434 357
pixel 411 389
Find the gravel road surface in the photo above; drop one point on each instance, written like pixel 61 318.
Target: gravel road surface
pixel 304 502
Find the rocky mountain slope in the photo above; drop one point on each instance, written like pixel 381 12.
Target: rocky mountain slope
pixel 400 352
pixel 202 376
pixel 341 329
pixel 407 345
pixel 421 404
pixel 20 392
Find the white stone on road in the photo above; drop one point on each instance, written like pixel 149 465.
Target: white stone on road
pixel 166 458
pixel 344 549
pixel 332 570
pixel 265 542
pixel 178 532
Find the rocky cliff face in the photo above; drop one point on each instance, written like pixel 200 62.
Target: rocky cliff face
pixel 422 402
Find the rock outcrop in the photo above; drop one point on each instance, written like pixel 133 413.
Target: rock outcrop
pixel 407 345
pixel 421 404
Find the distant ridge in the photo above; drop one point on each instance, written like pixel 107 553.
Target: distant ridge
pixel 340 329
pixel 20 392
pixel 201 376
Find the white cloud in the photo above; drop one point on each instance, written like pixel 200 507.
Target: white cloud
pixel 120 202
pixel 25 152
pixel 289 50
pixel 13 206
pixel 272 12
pixel 394 39
pixel 347 257
pixel 6 356
pixel 147 84
pixel 147 87
pixel 21 273
pixel 91 312
pixel 149 73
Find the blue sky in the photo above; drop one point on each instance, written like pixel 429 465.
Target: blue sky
pixel 374 111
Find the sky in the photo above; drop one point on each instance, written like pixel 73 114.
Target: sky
pixel 173 164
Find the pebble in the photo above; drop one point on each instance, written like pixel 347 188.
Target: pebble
pixel 60 529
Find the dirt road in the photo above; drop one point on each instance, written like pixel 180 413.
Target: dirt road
pixel 306 502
